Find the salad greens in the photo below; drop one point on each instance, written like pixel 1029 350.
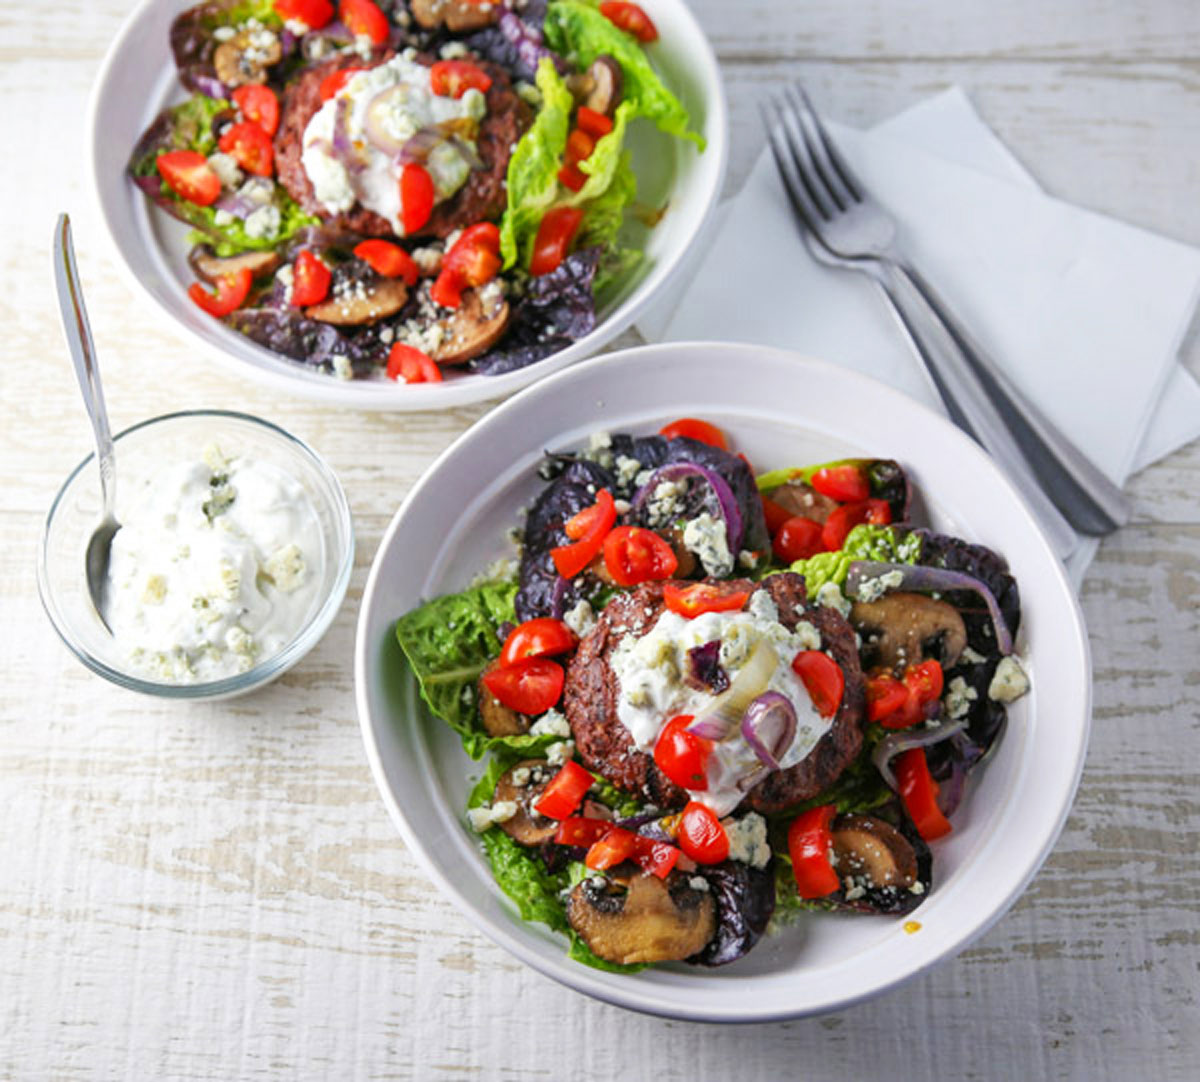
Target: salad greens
pixel 884 543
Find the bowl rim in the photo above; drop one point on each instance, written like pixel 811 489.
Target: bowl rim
pixel 355 394
pixel 654 1000
pixel 304 639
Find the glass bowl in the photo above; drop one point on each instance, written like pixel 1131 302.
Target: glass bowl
pixel 140 452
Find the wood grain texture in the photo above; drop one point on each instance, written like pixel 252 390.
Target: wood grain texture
pixel 216 892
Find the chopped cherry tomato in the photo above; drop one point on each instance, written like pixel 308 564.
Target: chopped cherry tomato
pixel 250 145
pixel 416 197
pixel 657 858
pixel 572 177
pixel 589 528
pixel 446 290
pixel 775 514
pixel 615 846
pixel 683 756
pixel 579 146
pixel 473 260
pixel 581 830
pixel 592 122
pixel 542 637
pixel 809 842
pixel 555 233
pixel 528 687
pixel 632 19
pixel 635 555
pixel 846 484
pixel 453 78
pixel 259 105
pixel 363 17
pixel 189 176
pixel 695 429
pixel 701 597
pixel 334 81
pixel 310 280
pixel 388 259
pixel 231 292
pixel 411 365
pixel 885 696
pixel 922 685
pixel 701 835
pixel 798 539
pixel 919 792
pixel 312 13
pixel 565 790
pixel 822 678
pixel 849 515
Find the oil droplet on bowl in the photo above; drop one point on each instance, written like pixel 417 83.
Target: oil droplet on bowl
pixel 911 926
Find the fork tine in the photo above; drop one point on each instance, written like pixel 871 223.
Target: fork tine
pixel 793 182
pixel 800 153
pixel 842 179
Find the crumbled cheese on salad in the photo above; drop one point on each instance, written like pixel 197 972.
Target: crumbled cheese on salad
pixel 748 840
pixel 1009 682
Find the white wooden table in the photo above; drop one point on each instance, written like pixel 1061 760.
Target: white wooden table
pixel 215 892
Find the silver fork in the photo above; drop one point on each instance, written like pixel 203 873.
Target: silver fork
pixel 844 226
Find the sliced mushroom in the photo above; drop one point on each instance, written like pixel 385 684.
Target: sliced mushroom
pixel 474 327
pixel 498 719
pixel 526 827
pixel 651 920
pixel 800 499
pixel 245 57
pixel 599 87
pixel 684 557
pixel 352 302
pixel 903 628
pixel 872 853
pixel 210 266
pixel 455 15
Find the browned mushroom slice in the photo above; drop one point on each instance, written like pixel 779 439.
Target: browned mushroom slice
pixel 797 498
pixel 523 784
pixel 498 719
pixel 210 266
pixel 455 15
pixel 901 629
pixel 684 557
pixel 599 87
pixel 651 920
pixel 474 327
pixel 353 302
pixel 872 854
pixel 245 57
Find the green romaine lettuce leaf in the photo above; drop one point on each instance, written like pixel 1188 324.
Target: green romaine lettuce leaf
pixel 862 543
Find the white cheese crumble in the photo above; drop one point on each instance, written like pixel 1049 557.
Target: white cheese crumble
pixel 706 537
pixel 263 223
pixel 560 753
pixel 830 595
pixel 698 882
pixel 227 169
pixel 1009 682
pixel 958 698
pixel 551 723
pixel 874 589
pixel 580 619
pixel 486 816
pixel 748 840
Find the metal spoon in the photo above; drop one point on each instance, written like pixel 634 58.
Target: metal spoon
pixel 83 353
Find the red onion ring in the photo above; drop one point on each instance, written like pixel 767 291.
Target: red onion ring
pixel 892 745
pixel 769 726
pixel 726 501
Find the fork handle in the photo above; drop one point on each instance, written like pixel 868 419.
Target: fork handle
pixel 965 398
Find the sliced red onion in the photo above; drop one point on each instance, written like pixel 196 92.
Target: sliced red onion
pixel 769 726
pixel 892 745
pixel 930 579
pixel 705 672
pixel 725 499
pixel 725 712
pixel 235 203
pixel 343 148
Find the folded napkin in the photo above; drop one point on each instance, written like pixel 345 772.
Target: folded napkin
pixel 1086 314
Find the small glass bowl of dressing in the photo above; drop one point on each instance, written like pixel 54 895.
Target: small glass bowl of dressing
pixel 237 550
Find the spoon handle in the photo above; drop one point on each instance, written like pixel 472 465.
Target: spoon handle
pixel 83 352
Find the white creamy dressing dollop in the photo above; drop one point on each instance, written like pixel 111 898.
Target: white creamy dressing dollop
pixel 214 569
pixel 397 100
pixel 651 673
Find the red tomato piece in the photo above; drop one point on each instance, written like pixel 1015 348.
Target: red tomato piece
pixel 412 365
pixel 564 791
pixel 594 123
pixel 453 78
pixel 388 259
pixel 775 514
pixel 416 196
pixel 846 484
pixel 250 145
pixel 632 19
pixel 310 280
pixel 572 177
pixel 701 597
pixel 472 261
pixel 657 858
pixel 259 105
pixel 885 695
pixel 542 637
pixel 363 17
pixel 635 555
pixel 528 687
pixel 313 13
pixel 334 81
pixel 809 842
pixel 584 522
pixel 849 515
pixel 581 830
pixel 919 792
pixel 555 233
pixel 922 685
pixel 822 678
pixel 589 527
pixel 695 429
pixel 189 175
pixel 683 756
pixel 447 290
pixel 701 835
pixel 579 146
pixel 615 846
pixel 232 290
pixel 798 539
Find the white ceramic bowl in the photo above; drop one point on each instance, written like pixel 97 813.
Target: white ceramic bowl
pixel 781 410
pixel 138 79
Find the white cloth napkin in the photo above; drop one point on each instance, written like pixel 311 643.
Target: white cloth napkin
pixel 1085 313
